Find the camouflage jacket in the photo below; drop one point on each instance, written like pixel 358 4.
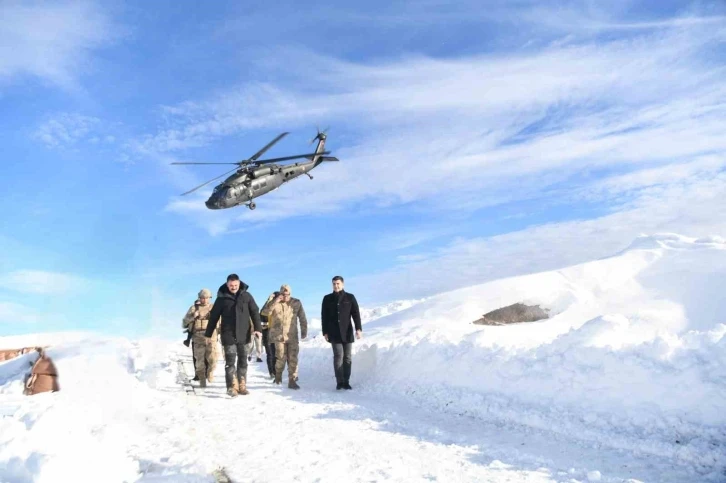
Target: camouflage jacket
pixel 264 315
pixel 197 317
pixel 282 319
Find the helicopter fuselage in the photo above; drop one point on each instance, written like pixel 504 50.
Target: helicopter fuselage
pixel 249 183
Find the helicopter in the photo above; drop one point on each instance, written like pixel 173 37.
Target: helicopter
pixel 255 177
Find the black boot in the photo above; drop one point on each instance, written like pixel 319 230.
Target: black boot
pixel 339 386
pixel 346 385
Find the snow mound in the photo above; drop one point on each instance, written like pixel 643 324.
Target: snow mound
pixel 633 356
pixel 107 399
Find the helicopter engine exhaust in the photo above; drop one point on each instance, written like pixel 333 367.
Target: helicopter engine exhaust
pixel 262 171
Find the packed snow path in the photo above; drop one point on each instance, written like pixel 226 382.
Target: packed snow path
pixel 320 434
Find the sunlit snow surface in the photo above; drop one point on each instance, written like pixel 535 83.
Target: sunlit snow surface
pixel 626 382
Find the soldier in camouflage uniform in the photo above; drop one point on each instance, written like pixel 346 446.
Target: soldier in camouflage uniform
pixel 283 314
pixel 266 342
pixel 205 350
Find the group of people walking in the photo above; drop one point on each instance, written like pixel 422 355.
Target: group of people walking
pixel 244 328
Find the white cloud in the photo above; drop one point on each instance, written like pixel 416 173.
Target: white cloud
pixel 67 129
pixel 605 17
pixel 690 206
pixel 404 238
pixel 445 133
pixel 203 265
pixel 632 183
pixel 14 314
pixel 51 41
pixel 42 282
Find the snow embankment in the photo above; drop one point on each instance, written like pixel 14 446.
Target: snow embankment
pixel 633 356
pixel 108 408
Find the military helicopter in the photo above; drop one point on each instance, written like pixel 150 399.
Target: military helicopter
pixel 255 177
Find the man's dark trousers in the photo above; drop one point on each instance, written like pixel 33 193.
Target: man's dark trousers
pixel 342 361
pixel 232 352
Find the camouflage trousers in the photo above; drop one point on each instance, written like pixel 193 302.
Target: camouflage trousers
pixel 287 352
pixel 254 348
pixel 205 353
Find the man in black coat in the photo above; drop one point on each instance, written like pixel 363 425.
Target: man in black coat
pixel 237 308
pixel 338 309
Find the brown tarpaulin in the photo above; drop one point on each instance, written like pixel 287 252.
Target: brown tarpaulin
pixel 43 377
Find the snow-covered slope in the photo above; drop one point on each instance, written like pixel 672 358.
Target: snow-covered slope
pixel 634 356
pixel 626 382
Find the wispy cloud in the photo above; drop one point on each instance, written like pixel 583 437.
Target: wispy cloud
pixel 460 132
pixel 14 314
pixel 633 183
pixel 203 265
pixel 66 130
pixel 688 206
pixel 53 41
pixel 410 237
pixel 42 282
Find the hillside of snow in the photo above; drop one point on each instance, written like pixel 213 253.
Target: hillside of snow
pixel 633 356
pixel 625 382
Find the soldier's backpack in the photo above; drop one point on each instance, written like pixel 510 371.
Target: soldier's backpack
pixel 43 376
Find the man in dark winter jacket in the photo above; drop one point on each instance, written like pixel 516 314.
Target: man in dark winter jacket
pixel 237 308
pixel 338 309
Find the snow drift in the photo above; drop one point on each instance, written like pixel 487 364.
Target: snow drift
pixel 633 358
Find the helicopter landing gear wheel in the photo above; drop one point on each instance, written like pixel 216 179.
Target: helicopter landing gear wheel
pixel 252 205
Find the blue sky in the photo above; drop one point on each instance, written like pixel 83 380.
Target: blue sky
pixel 476 141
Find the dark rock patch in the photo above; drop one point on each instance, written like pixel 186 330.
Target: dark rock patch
pixel 513 314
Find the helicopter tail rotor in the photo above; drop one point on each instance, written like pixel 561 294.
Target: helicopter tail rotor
pixel 321 135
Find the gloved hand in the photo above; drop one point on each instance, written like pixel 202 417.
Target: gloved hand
pixel 189 338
